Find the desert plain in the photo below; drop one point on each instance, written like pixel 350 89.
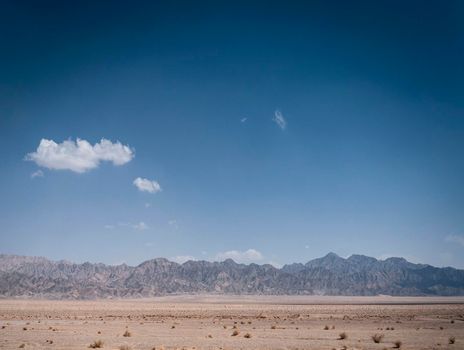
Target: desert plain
pixel 242 322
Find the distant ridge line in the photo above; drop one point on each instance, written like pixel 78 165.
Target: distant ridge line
pixel 358 275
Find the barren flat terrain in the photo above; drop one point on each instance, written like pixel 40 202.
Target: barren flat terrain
pixel 234 323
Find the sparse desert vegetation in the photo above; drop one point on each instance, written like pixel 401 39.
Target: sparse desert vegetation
pixel 245 323
pixel 96 344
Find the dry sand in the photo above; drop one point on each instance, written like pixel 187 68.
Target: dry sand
pixel 208 323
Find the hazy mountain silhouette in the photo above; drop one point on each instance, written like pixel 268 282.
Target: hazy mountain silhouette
pixel 330 275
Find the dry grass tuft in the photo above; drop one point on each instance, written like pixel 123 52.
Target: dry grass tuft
pixel 451 340
pixel 342 336
pixel 377 338
pixel 127 334
pixel 273 327
pixel 397 344
pixel 96 344
pixel 248 335
pixel 22 346
pixel 326 328
pixel 235 333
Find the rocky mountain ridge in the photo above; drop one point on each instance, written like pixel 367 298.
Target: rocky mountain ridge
pixel 22 276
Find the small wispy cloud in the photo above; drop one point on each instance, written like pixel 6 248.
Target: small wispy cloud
pixel 141 226
pixel 279 120
pixel 173 224
pixel 109 227
pixel 79 156
pixel 180 259
pixel 459 239
pixel 146 185
pixel 247 256
pixel 38 173
pixel 147 205
pixel 243 120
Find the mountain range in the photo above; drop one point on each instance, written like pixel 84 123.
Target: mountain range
pixel 38 277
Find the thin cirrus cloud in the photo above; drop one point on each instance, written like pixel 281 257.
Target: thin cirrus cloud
pixel 247 256
pixel 145 185
pixel 455 239
pixel 80 155
pixel 180 259
pixel 141 226
pixel 38 173
pixel 280 120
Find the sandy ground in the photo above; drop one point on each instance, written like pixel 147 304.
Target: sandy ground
pixel 210 322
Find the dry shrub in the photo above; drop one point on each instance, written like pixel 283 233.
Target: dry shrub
pixel 326 328
pixel 342 336
pixel 235 333
pixel 248 335
pixel 451 340
pixel 377 338
pixel 127 334
pixel 22 346
pixel 397 344
pixel 273 327
pixel 96 344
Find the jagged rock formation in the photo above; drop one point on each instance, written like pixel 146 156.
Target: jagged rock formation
pixel 330 275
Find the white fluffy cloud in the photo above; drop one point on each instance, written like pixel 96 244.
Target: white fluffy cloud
pixel 279 120
pixel 146 185
pixel 79 156
pixel 247 256
pixel 455 239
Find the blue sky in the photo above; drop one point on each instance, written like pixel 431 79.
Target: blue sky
pixel 266 132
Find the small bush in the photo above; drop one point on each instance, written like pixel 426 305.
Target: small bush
pixel 96 344
pixel 326 327
pixel 235 333
pixel 377 338
pixel 127 334
pixel 452 340
pixel 342 336
pixel 273 327
pixel 397 344
pixel 248 335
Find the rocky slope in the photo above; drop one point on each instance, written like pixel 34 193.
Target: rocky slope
pixel 330 275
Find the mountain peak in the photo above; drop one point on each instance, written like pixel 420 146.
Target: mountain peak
pixel 330 275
